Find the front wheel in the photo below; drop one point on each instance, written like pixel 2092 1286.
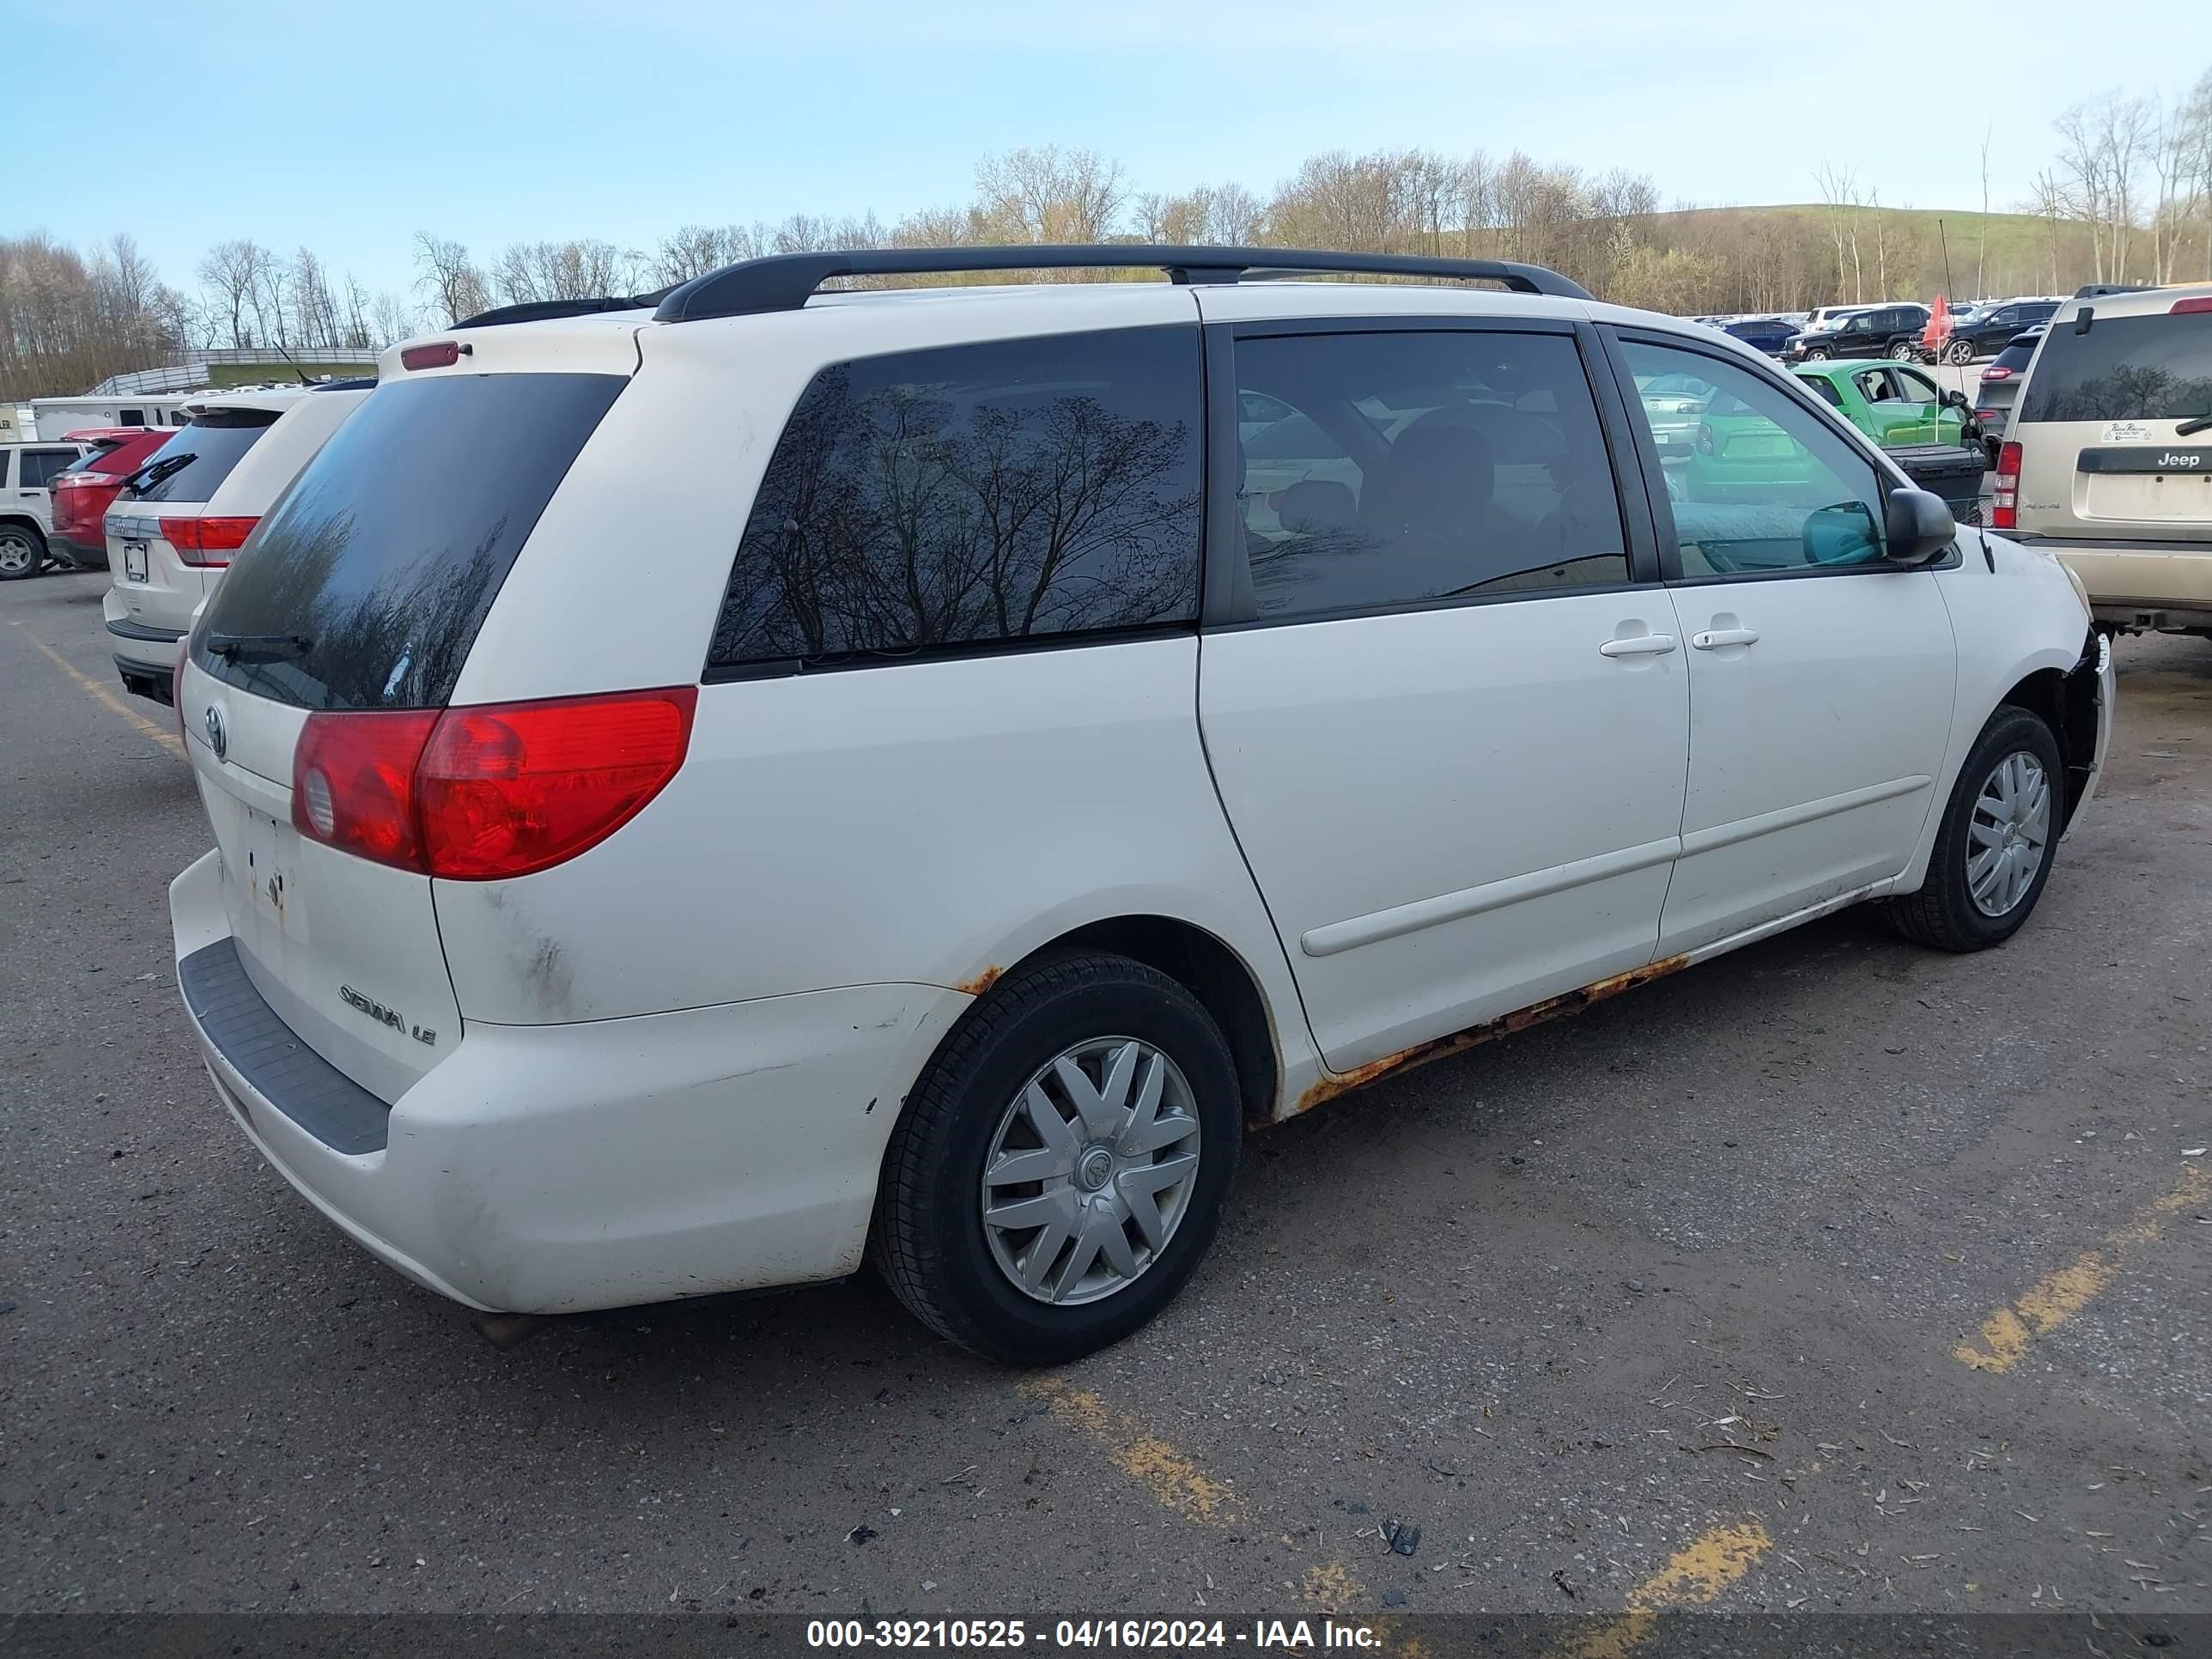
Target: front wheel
pixel 1063 1162
pixel 1962 352
pixel 1994 848
pixel 22 552
pixel 1816 355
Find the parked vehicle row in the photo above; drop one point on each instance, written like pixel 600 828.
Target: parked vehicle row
pixel 575 942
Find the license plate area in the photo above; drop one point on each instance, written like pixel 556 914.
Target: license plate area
pixel 134 562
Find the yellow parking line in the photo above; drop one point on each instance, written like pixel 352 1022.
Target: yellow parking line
pixel 1693 1575
pixel 2057 1297
pixel 1145 1458
pixel 101 694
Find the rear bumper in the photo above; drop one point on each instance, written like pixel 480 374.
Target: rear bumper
pixel 140 646
pixel 2139 583
pixel 553 1169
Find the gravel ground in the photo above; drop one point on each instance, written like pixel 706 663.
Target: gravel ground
pixel 1832 1274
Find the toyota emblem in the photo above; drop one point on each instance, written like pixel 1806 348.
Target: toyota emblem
pixel 218 739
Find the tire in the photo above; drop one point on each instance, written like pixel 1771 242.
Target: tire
pixel 1962 352
pixel 22 552
pixel 1945 914
pixel 931 1241
pixel 1904 352
pixel 1817 355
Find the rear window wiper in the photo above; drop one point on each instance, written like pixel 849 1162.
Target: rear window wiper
pixel 2190 429
pixel 151 474
pixel 259 647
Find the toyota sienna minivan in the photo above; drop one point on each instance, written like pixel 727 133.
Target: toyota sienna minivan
pixel 938 837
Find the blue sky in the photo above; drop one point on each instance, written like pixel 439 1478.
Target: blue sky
pixel 347 127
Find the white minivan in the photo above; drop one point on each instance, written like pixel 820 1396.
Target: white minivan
pixel 939 836
pixel 174 527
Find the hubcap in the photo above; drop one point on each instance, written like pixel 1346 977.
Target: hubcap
pixel 14 553
pixel 2007 833
pixel 1090 1170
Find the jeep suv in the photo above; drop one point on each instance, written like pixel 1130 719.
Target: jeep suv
pixel 178 520
pixel 936 835
pixel 2108 460
pixel 1880 332
pixel 27 516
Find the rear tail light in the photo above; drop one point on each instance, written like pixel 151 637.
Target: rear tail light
pixel 207 541
pixel 483 794
pixel 1705 441
pixel 70 478
pixel 2004 500
pixel 2190 307
pixel 1994 373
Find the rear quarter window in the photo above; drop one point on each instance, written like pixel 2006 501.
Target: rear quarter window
pixel 365 586
pixel 971 496
pixel 2153 368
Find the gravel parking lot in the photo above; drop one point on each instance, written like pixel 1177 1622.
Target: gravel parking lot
pixel 1832 1274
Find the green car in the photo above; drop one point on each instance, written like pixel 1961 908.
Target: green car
pixel 1738 453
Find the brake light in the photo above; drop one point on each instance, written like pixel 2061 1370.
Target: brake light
pixel 1996 374
pixel 2004 499
pixel 483 794
pixel 2190 307
pixel 69 479
pixel 207 541
pixel 444 355
pixel 1705 441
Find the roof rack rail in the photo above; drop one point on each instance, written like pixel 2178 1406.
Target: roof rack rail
pixel 537 311
pixel 2098 290
pixel 785 282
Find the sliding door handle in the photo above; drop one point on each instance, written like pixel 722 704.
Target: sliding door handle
pixel 1713 639
pixel 1644 644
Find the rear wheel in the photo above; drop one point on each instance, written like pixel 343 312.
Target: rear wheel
pixel 1063 1162
pixel 1993 849
pixel 23 551
pixel 1904 352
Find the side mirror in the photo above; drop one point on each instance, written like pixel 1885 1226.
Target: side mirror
pixel 1955 400
pixel 1920 526
pixel 1843 534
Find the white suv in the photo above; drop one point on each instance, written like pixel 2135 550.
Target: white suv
pixel 174 528
pixel 940 833
pixel 27 507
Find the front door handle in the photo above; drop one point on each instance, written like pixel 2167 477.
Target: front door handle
pixel 1713 639
pixel 1644 644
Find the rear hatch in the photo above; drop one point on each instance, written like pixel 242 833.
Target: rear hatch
pixel 344 626
pixel 2103 455
pixel 165 545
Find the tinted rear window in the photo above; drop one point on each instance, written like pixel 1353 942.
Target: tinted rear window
pixel 193 464
pixel 972 495
pixel 2157 368
pixel 365 586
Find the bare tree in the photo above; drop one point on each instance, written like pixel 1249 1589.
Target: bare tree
pixel 443 267
pixel 230 276
pixel 1050 195
pixel 1838 188
pixel 1982 247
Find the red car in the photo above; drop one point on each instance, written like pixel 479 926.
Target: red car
pixel 81 491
